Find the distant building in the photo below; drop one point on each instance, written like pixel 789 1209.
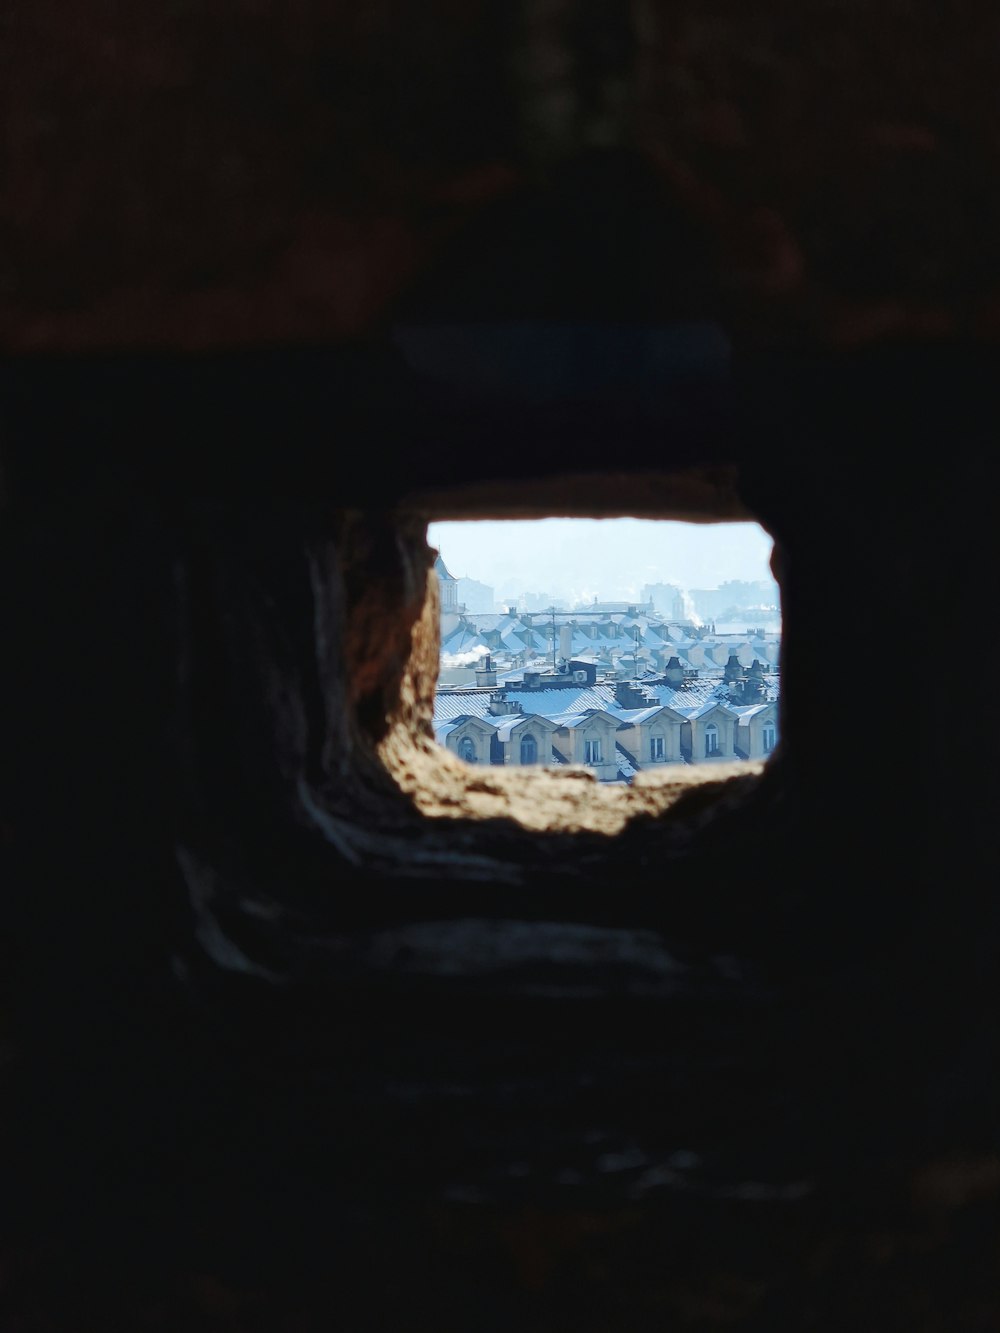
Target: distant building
pixel 448 585
pixel 475 596
pixel 667 599
pixel 615 728
pixel 613 687
pixel 634 608
pixel 738 600
pixel 540 601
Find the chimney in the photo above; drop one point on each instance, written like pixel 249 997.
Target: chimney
pixel 486 673
pixel 733 673
pixel 566 641
pixel 501 706
pixel 628 695
pixel 756 686
pixel 674 673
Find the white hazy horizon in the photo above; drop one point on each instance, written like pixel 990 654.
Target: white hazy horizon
pixel 610 559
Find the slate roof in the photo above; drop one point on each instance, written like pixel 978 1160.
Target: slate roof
pixel 448 707
pixel 682 700
pixel 576 719
pixel 707 707
pixel 511 721
pixel 652 639
pixel 444 729
pixel 612 608
pixel 490 620
pixel 631 717
pixel 564 698
pixel 746 711
pixel 514 673
pixel 462 641
pixel 530 638
pixel 511 640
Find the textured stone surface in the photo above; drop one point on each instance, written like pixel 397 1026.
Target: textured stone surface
pixel 247 171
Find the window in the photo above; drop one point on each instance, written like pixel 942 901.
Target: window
pixel 467 750
pixel 768 737
pixel 542 600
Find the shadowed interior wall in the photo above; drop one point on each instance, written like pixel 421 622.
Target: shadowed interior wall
pixel 280 1047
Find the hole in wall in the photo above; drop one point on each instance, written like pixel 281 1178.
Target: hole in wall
pixel 618 644
pixel 563 706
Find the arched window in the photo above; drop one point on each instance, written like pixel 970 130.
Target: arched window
pixel 529 749
pixel 711 739
pixel 467 749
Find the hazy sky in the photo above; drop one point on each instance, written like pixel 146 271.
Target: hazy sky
pixel 610 558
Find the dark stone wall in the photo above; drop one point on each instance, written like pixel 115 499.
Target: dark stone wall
pixel 243 171
pixel 279 1053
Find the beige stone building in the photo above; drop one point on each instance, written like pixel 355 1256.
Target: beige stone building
pixel 469 737
pixel 710 734
pixel 756 731
pixel 652 735
pixel 523 739
pixel 589 738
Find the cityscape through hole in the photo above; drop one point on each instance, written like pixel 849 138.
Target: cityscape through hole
pixel 613 644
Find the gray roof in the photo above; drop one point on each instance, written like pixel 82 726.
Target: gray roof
pixel 514 673
pixel 489 620
pixel 461 641
pixel 613 608
pixel 651 639
pixel 511 721
pixel 631 717
pixel 680 699
pixel 708 706
pixel 747 711
pixel 564 698
pixel 511 640
pixel 449 707
pixel 443 729
pixel 577 718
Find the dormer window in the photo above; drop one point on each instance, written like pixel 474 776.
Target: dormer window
pixel 592 752
pixel 467 749
pixel 656 749
pixel 769 737
pixel 711 739
pixel 529 749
